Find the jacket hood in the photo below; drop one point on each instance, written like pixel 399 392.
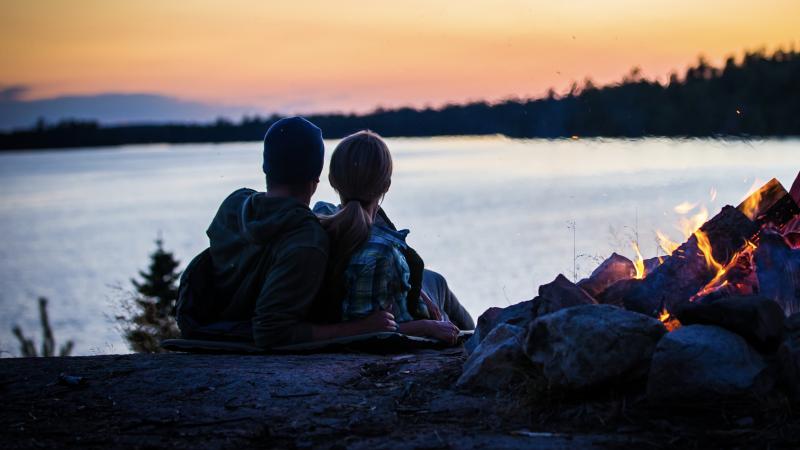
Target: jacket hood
pixel 250 217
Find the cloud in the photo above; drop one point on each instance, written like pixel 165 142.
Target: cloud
pixel 109 108
pixel 13 92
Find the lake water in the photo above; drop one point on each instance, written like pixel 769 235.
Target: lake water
pixel 492 214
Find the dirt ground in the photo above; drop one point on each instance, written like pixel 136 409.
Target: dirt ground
pixel 331 401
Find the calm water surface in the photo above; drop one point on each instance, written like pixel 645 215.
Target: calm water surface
pixel 492 214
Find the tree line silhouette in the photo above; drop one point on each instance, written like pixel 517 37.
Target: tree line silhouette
pixel 757 96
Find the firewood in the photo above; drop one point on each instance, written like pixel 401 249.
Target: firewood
pixel 771 204
pixel 686 272
pixel 795 189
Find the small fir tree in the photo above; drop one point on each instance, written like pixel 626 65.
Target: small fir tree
pixel 150 313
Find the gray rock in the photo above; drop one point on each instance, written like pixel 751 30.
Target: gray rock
pixel 498 362
pixel 757 319
pixel 778 270
pixel 705 363
pixel 614 268
pixel 560 293
pixel 590 345
pixel 788 358
pixel 619 291
pixel 519 314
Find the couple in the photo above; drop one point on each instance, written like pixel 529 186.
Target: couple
pixel 277 273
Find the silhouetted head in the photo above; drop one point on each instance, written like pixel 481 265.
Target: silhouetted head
pixel 361 168
pixel 293 157
pixel 361 173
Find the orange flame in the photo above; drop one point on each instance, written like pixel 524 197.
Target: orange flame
pixel 704 245
pixel 717 282
pixel 638 263
pixel 685 207
pixel 666 244
pixel 688 225
pixel 752 200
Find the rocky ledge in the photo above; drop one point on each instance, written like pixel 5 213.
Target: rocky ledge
pixel 320 401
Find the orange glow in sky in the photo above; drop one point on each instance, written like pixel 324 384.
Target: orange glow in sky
pixel 306 56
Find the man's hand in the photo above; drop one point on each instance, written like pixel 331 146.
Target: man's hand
pixel 376 322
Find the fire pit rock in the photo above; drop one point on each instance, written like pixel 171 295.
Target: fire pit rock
pixel 778 269
pixel 591 345
pixel 705 363
pixel 757 319
pixel 614 268
pixel 519 314
pixel 498 361
pixel 789 357
pixel 559 294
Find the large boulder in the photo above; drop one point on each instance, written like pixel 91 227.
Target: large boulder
pixel 498 362
pixel 592 345
pixel 757 319
pixel 558 294
pixel 705 363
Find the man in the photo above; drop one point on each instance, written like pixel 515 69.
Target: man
pixel 267 255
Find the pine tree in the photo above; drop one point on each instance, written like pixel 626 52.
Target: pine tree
pixel 150 317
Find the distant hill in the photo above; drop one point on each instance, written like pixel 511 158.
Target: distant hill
pixel 113 108
pixel 756 96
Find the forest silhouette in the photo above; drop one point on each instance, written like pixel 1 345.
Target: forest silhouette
pixel 757 96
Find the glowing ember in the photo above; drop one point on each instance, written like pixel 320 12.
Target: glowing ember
pixel 741 261
pixel 671 323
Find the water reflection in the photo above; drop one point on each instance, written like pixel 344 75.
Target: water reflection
pixel 490 213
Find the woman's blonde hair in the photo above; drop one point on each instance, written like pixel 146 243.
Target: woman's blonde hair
pixel 361 173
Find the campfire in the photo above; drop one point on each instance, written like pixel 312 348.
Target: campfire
pixel 751 249
pixel 713 321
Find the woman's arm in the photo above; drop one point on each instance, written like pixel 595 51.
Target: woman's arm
pixel 376 322
pixel 442 330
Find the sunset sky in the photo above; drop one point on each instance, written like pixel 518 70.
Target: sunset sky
pixel 311 56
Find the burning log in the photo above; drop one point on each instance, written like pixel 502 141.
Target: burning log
pixel 794 191
pixel 689 269
pixel 771 205
pixel 777 266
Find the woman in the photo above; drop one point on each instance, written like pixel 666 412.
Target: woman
pixel 371 267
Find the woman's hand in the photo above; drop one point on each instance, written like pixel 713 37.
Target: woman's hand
pixel 444 331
